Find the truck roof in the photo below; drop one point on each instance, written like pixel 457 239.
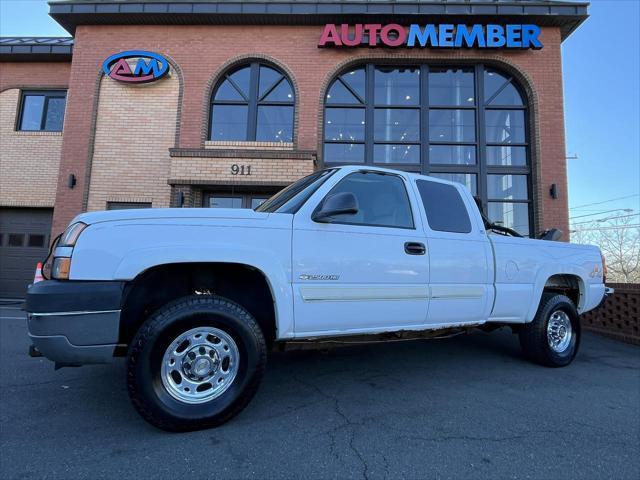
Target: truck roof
pixel 415 175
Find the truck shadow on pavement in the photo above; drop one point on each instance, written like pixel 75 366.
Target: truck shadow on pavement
pixel 312 379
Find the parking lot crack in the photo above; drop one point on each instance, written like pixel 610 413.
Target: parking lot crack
pixel 347 423
pixel 466 438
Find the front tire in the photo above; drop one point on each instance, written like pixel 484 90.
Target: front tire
pixel 195 363
pixel 552 339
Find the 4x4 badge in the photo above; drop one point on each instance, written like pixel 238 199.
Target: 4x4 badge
pixel 596 272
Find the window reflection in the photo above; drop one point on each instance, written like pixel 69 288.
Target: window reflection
pixel 398 125
pixel 452 125
pixel 500 90
pixel 510 215
pixel 468 180
pixel 493 81
pixel 505 126
pixel 397 86
pixel 229 122
pixel 254 102
pixel 344 153
pixel 452 155
pixel 344 124
pixel 275 124
pixel 507 156
pixel 507 187
pixel 409 154
pixel 32 109
pixel 429 115
pixel 451 86
pixel 42 111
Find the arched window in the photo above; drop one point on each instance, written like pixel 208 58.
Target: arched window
pixel 466 124
pixel 254 102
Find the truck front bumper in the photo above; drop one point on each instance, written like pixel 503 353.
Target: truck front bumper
pixel 74 322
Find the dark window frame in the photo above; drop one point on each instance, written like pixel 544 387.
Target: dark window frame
pixel 406 191
pixel 48 94
pixel 480 169
pixel 254 99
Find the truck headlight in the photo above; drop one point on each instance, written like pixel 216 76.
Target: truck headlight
pixel 71 234
pixel 60 268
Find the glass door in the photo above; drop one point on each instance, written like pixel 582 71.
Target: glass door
pixel 244 200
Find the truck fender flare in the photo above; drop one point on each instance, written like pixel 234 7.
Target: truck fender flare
pixel 544 275
pixel 137 261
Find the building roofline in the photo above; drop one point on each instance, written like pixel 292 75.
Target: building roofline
pixel 36 49
pixel 70 14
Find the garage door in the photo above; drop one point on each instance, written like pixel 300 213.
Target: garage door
pixel 24 241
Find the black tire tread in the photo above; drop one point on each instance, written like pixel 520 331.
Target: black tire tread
pixel 154 322
pixel 533 335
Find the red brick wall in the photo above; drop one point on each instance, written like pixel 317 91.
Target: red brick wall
pixel 34 75
pixel 201 51
pixel 619 316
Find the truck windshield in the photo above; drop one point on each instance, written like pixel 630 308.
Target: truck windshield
pixel 291 198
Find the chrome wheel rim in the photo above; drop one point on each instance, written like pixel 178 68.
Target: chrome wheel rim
pixel 559 331
pixel 200 365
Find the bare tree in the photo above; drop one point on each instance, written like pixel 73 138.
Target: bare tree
pixel 619 240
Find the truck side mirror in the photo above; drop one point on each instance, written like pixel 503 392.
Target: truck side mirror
pixel 344 203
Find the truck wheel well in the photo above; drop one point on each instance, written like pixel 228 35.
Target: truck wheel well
pixel 566 284
pixel 160 285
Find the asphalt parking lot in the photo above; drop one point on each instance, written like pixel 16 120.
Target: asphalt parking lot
pixel 465 407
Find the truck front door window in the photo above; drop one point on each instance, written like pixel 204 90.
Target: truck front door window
pixel 382 200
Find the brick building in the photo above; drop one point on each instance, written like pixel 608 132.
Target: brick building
pixel 238 100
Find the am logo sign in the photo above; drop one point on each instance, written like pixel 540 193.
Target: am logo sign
pixel 148 67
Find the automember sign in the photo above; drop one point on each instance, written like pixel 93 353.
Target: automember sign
pixel 149 66
pixel 431 36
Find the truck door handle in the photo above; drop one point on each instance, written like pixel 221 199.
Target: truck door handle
pixel 414 248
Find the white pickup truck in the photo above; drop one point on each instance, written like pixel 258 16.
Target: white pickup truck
pixel 194 298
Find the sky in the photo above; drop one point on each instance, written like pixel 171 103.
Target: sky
pixel 601 65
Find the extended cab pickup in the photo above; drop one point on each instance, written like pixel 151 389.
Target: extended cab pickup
pixel 194 298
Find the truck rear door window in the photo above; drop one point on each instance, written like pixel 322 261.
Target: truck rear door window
pixel 446 211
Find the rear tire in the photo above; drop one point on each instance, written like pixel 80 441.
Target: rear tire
pixel 195 363
pixel 552 339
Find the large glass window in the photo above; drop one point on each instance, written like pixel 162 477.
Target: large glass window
pixel 42 110
pixel 466 124
pixel 253 103
pixel 507 198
